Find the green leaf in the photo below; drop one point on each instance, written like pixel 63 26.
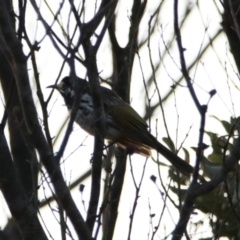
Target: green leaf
pixel 169 143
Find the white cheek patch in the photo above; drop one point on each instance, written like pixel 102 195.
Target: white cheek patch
pixel 71 93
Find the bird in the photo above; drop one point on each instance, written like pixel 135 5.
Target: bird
pixel 124 126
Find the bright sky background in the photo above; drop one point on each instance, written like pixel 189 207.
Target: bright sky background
pixel 207 76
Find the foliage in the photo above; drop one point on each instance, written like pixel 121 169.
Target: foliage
pixel 222 203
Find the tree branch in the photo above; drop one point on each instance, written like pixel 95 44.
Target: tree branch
pixel 18 63
pixel 19 205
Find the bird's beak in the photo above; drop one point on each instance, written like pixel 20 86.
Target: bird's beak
pixel 53 86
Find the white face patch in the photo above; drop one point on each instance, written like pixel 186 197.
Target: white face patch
pixel 71 92
pixel 65 90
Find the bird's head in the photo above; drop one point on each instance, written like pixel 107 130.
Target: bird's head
pixel 64 87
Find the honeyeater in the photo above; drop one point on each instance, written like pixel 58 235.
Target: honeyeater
pixel 124 125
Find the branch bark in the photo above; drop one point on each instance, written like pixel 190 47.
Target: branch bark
pixel 12 50
pixel 22 210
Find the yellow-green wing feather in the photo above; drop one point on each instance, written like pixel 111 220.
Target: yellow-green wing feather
pixel 124 115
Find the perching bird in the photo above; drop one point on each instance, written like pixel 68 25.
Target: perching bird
pixel 124 125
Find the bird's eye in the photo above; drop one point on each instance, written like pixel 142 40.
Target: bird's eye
pixel 63 87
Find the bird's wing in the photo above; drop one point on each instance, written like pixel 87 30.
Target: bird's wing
pixel 127 118
pixel 133 129
pixel 132 125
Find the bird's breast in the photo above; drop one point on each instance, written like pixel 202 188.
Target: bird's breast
pixel 85 114
pixel 86 120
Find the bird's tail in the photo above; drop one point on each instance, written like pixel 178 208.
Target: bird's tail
pixel 176 161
